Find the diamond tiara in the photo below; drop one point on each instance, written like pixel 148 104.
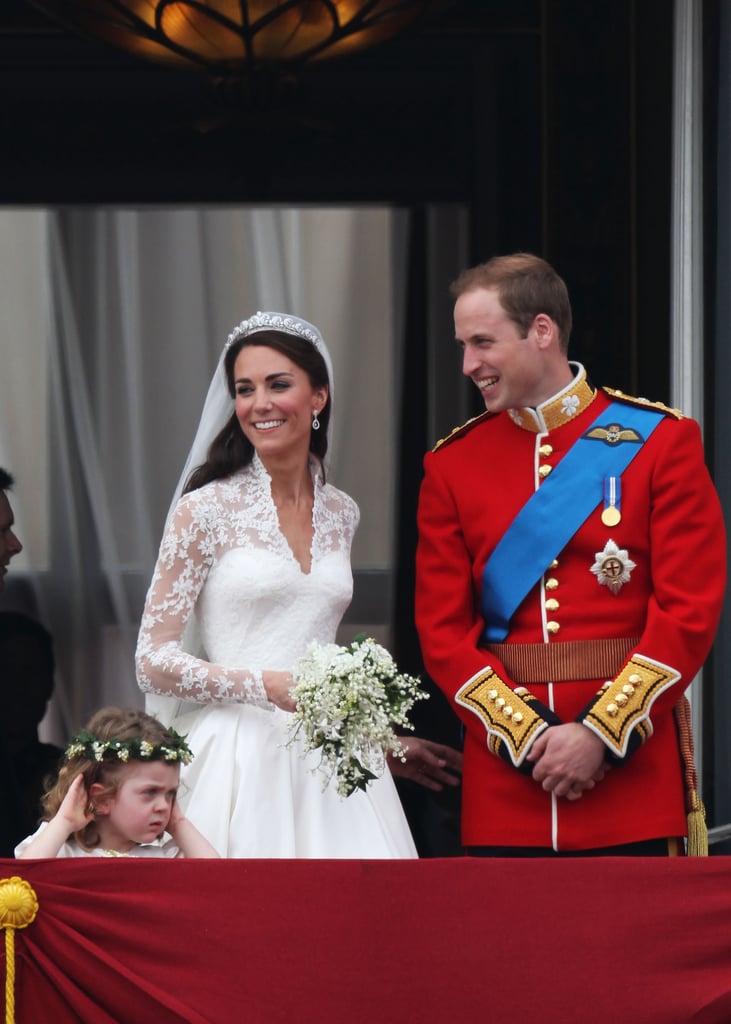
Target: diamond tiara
pixel 274 322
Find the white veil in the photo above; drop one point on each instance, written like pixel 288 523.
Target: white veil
pixel 217 409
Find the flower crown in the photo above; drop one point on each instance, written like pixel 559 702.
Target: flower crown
pixel 85 744
pixel 275 322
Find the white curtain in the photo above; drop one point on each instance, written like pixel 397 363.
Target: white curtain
pixel 113 322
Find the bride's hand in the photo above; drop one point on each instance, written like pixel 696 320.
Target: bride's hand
pixel 277 686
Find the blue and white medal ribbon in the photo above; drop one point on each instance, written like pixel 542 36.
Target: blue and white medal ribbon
pixel 612 514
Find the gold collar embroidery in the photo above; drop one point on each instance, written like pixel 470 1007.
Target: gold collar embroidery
pixel 559 409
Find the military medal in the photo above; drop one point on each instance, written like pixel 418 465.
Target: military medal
pixel 611 515
pixel 613 567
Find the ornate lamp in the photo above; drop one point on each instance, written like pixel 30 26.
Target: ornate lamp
pixel 224 35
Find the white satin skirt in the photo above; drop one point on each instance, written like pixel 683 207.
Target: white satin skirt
pixel 252 796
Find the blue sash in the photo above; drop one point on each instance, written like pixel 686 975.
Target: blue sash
pixel 553 514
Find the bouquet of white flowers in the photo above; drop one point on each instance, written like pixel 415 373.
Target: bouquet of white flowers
pixel 348 700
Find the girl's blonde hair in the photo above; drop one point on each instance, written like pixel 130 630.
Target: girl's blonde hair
pixel 127 728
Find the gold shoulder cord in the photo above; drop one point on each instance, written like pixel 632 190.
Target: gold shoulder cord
pixel 645 403
pixel 463 429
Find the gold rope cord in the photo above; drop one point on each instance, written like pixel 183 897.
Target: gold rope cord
pixel 695 811
pixel 18 908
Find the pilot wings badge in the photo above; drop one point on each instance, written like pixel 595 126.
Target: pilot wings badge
pixel 613 567
pixel 613 434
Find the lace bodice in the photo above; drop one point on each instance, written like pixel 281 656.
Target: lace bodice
pixel 225 568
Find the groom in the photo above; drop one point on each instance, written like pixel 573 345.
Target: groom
pixel 570 574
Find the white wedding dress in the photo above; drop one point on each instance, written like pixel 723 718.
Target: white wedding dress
pixel 226 573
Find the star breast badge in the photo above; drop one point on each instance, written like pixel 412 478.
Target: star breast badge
pixel 613 567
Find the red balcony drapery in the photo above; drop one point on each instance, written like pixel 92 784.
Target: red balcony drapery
pixel 125 941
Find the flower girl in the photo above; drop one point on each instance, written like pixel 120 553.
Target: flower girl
pixel 115 795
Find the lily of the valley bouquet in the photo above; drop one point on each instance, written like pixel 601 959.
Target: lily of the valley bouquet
pixel 348 701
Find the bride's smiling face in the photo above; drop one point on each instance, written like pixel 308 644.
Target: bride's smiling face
pixel 274 400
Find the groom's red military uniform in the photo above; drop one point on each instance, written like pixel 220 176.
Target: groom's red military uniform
pixel 613 632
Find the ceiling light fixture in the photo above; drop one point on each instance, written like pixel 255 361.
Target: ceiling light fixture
pixel 224 35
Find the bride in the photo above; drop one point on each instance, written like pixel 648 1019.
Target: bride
pixel 254 564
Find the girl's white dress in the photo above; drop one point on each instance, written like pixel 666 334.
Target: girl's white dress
pixel 165 846
pixel 227 583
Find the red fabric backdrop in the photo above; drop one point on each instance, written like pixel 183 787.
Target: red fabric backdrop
pixel 362 942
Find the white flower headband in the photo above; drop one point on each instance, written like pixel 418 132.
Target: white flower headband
pixel 86 745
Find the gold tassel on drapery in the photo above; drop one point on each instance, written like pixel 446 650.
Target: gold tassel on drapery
pixel 18 908
pixel 695 811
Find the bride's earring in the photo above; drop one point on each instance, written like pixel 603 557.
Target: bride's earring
pixel 315 421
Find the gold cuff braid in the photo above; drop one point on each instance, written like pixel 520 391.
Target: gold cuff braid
pixel 506 714
pixel 624 704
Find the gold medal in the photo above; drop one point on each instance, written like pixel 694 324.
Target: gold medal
pixel 611 515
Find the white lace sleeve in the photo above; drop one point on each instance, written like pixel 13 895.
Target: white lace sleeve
pixel 163 665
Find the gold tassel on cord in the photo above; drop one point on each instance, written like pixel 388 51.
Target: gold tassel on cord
pixel 18 908
pixel 695 811
pixel 697 830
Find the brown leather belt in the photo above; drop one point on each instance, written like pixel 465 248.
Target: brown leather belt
pixel 562 662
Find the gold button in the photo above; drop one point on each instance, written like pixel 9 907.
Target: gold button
pixel 629 690
pixel 552 627
pixel 612 710
pixel 634 678
pixel 500 702
pixel 508 711
pixel 554 564
pixel 491 695
pixel 552 583
pixel 517 717
pixel 543 471
pixel 545 450
pixel 621 699
pixel 552 604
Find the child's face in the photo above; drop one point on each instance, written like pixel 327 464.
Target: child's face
pixel 140 809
